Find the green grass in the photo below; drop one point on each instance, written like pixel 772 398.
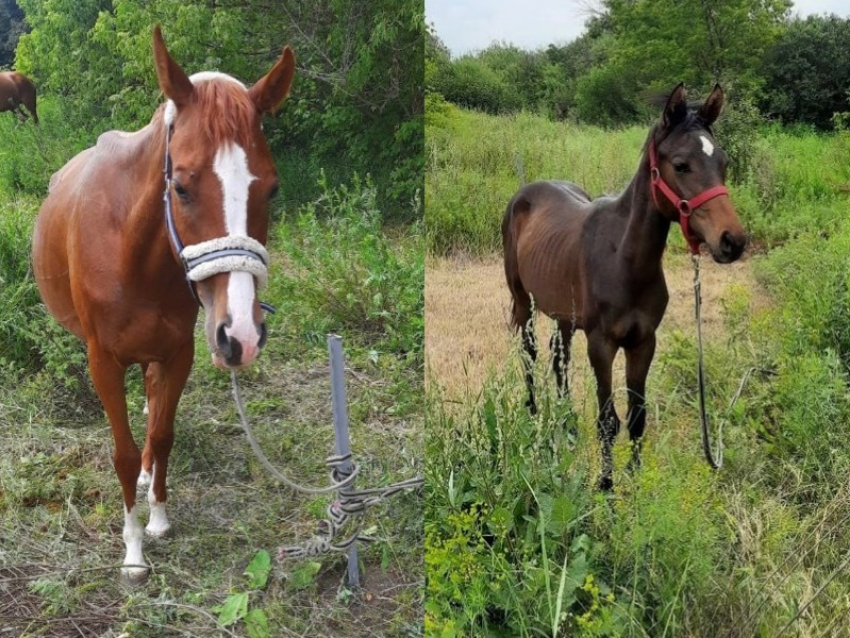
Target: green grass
pixel 795 182
pixel 515 529
pixel 60 505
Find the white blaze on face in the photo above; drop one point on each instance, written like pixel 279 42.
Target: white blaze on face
pixel 231 167
pixel 707 146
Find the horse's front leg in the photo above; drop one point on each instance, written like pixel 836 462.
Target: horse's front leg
pixel 638 360
pixel 164 383
pixel 601 352
pixel 108 378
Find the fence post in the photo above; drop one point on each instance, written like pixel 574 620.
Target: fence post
pixel 343 442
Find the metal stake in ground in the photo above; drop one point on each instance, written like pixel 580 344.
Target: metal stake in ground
pixel 343 442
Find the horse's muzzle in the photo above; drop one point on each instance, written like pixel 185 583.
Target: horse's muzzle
pixel 730 247
pixel 231 352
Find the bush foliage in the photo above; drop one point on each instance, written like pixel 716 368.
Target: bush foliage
pixel 94 58
pixel 795 70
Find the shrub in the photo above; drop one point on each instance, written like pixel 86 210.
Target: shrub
pixel 604 97
pixel 343 272
pixel 29 338
pixel 471 83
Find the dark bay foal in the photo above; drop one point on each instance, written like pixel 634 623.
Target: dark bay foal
pixel 596 265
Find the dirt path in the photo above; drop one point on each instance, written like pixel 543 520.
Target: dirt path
pixel 467 315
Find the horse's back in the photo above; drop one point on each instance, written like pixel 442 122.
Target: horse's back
pixel 542 237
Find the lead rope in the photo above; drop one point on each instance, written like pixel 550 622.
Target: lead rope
pixel 714 460
pixel 350 502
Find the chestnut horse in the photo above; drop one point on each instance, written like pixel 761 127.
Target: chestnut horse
pixel 17 91
pixel 596 265
pixel 110 262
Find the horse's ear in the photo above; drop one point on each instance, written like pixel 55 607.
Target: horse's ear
pixel 710 111
pixel 272 89
pixel 676 108
pixel 173 81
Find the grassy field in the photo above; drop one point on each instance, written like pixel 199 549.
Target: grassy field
pixel 334 269
pixel 790 183
pixel 517 541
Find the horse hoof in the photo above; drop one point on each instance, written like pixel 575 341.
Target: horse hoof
pixel 134 576
pixel 605 484
pixel 158 532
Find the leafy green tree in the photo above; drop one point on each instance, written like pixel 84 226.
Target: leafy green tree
pixel 695 41
pixel 655 45
pixel 807 71
pixel 357 102
pixel 437 58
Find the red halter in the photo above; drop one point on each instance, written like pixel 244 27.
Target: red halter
pixel 684 206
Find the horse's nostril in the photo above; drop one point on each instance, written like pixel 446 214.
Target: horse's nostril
pixel 222 341
pixel 264 333
pixel 727 246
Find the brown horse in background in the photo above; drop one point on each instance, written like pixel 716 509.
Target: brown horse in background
pixel 596 265
pixel 17 91
pixel 111 266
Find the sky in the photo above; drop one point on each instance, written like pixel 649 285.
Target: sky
pixel 471 25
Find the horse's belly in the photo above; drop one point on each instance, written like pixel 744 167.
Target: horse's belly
pixel 51 269
pixel 561 302
pixel 549 272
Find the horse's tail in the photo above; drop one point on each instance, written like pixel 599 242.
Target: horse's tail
pixel 517 208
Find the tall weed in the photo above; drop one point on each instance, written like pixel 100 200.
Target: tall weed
pixel 344 272
pixel 782 182
pixel 29 338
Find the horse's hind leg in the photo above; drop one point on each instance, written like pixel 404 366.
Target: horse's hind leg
pixel 164 383
pixel 601 353
pixel 108 378
pixel 638 360
pixel 560 344
pixel 522 320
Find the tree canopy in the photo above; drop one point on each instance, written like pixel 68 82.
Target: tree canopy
pixel 357 100
pixel 794 70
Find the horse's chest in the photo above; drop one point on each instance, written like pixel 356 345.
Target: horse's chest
pixel 149 333
pixel 628 315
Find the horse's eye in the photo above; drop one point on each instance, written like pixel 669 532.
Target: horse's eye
pixel 182 193
pixel 681 167
pixel 273 192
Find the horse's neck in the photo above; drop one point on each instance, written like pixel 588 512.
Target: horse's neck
pixel 645 237
pixel 148 250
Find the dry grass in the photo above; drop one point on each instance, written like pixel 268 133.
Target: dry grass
pixel 467 333
pixel 60 508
